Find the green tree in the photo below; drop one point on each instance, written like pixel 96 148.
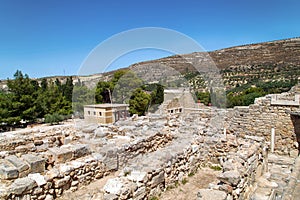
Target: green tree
pixel 204 97
pixel 125 86
pixel 68 89
pixel 157 95
pixel 82 96
pixel 139 102
pixel 23 94
pixel 44 84
pixel 54 118
pixel 103 92
pixel 118 74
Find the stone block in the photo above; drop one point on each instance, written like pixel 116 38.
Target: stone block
pixel 281 160
pixel 61 155
pixel 36 163
pixel 230 177
pixel 137 176
pixel 110 197
pixel 18 163
pixel 58 183
pixel 7 170
pixel 22 185
pixel 3 191
pixel 208 194
pixel 111 160
pixel 38 178
pixel 80 150
pixel 160 178
pixel 140 193
pixel 113 186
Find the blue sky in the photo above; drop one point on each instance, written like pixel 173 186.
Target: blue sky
pixel 53 37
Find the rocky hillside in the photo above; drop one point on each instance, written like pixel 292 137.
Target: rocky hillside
pixel 269 61
pixel 241 65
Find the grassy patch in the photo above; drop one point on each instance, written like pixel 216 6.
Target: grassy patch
pixel 184 181
pixel 154 198
pixel 216 167
pixel 191 174
pixel 176 183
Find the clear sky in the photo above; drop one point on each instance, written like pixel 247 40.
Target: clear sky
pixel 53 37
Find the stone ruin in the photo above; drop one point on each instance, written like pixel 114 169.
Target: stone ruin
pixel 156 152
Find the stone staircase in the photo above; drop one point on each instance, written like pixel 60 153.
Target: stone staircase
pixel 273 184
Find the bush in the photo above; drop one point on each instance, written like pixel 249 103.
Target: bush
pixel 53 118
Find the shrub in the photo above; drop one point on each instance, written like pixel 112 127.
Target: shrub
pixel 53 118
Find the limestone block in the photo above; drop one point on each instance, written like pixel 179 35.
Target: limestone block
pixel 3 191
pixel 80 150
pixel 61 155
pixel 230 177
pixel 22 185
pixel 137 176
pixel 113 186
pixel 160 178
pixel 7 170
pixel 36 163
pixel 61 182
pixel 111 160
pixel 208 194
pixel 110 197
pixel 140 193
pixel 49 197
pixel 18 163
pixel 281 160
pixel 38 178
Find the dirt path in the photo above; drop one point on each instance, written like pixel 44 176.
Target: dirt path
pixel 190 189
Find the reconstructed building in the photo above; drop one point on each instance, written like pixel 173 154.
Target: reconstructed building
pixel 105 113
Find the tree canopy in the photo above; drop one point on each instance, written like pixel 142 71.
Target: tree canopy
pixel 27 100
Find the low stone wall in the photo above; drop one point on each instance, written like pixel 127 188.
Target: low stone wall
pixel 67 167
pixel 35 139
pixel 52 184
pixel 259 119
pixel 242 161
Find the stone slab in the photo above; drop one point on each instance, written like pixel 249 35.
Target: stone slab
pixel 208 194
pixel 80 150
pixel 111 160
pixel 22 185
pixel 7 170
pixel 137 176
pixel 113 186
pixel 18 163
pixel 36 163
pixel 38 178
pixel 232 177
pixel 61 155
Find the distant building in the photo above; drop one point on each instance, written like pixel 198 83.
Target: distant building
pixel 105 113
pixel 177 100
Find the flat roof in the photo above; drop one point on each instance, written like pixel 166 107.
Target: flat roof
pixel 107 105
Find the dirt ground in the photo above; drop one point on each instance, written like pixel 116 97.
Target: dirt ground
pixel 89 192
pixel 185 191
pixel 190 189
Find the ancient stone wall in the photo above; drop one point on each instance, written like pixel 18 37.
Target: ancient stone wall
pixel 259 118
pixel 242 161
pixel 74 163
